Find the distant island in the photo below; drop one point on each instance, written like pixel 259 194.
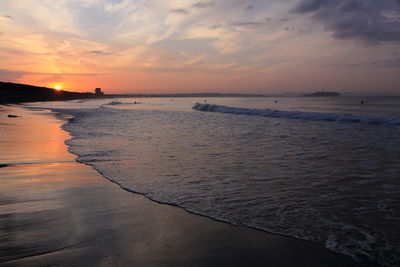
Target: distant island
pixel 323 93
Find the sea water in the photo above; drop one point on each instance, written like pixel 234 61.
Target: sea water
pixel 325 170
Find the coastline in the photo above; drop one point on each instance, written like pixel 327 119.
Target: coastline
pixel 56 211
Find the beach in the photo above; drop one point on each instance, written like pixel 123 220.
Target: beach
pixel 56 211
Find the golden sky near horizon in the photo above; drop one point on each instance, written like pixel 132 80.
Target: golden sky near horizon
pixel 165 46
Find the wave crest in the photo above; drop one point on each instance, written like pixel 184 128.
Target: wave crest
pixel 371 119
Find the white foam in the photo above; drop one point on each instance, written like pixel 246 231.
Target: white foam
pixel 114 103
pixel 372 119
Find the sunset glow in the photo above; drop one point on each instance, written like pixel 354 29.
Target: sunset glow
pixel 200 132
pixel 170 46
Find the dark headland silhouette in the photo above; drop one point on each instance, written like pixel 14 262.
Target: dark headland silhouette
pixel 19 93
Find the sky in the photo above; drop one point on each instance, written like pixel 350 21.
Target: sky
pixel 177 46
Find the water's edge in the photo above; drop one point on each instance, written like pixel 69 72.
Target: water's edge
pixel 67 118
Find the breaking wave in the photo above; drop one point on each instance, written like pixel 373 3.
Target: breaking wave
pixel 371 119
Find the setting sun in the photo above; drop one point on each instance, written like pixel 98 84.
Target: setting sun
pixel 58 87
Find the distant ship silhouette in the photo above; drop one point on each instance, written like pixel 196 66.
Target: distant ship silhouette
pixel 323 93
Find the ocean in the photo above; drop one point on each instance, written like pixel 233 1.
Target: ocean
pixel 324 169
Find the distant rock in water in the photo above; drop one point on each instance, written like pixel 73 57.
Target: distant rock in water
pixel 12 116
pixel 323 93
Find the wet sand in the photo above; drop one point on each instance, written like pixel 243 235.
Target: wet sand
pixel 55 211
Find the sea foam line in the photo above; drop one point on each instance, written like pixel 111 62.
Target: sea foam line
pixel 371 119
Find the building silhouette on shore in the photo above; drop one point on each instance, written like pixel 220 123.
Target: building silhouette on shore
pixel 98 92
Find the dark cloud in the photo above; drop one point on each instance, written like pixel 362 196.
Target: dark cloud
pixel 7 17
pixel 180 11
pixel 385 63
pixel 10 75
pixel 248 24
pixel 204 4
pixel 249 7
pixel 64 74
pixel 289 28
pixel 98 52
pixel 371 21
pixel 279 21
pixel 283 19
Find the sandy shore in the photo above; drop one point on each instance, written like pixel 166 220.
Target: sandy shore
pixel 55 211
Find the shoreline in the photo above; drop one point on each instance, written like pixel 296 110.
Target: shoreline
pixel 64 212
